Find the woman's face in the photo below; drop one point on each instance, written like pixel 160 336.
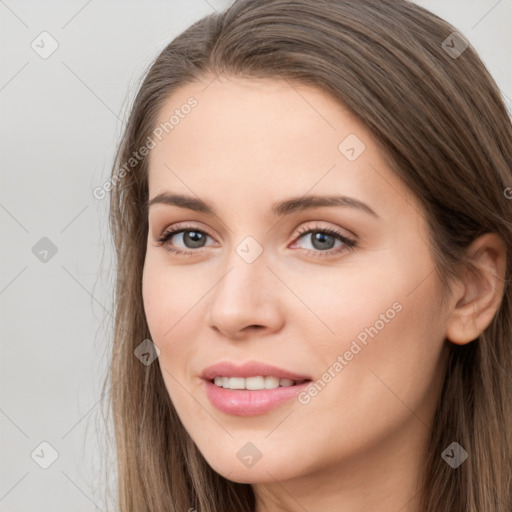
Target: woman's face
pixel 356 309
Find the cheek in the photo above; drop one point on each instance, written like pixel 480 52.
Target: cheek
pixel 381 329
pixel 338 304
pixel 169 293
pixel 175 298
pixel 391 298
pixel 166 302
pixel 386 351
pixel 154 300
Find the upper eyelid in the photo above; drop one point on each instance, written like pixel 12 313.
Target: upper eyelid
pixel 180 228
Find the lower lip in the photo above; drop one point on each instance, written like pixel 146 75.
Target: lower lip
pixel 242 402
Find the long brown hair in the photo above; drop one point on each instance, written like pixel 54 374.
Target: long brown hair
pixel 444 129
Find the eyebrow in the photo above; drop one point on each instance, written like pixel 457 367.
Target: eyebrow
pixel 280 208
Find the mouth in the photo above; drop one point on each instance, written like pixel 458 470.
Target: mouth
pixel 251 388
pixel 255 383
pixel 251 402
pixel 251 370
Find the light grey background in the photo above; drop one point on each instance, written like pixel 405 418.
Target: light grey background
pixel 61 117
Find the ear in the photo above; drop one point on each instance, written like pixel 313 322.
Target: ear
pixel 478 295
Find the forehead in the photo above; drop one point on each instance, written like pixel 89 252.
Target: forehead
pixel 258 116
pixel 263 138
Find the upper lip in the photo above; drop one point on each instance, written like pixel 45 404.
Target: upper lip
pixel 249 369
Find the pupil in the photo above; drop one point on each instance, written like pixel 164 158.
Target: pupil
pixel 194 237
pixel 321 238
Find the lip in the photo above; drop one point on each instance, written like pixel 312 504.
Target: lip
pixel 249 369
pixel 241 402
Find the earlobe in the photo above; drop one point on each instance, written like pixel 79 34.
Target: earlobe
pixel 480 292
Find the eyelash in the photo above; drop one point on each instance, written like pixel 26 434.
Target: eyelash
pixel 349 244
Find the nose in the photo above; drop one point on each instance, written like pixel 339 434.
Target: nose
pixel 246 300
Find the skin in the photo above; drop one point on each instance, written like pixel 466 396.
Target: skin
pixel 360 443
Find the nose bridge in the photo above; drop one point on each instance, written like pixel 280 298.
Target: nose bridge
pixel 244 295
pixel 245 273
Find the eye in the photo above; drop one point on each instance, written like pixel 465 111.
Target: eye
pixel 194 237
pixel 323 240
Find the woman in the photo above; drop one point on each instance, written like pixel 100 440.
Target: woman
pixel 313 227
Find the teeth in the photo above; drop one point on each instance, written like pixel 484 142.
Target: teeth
pixel 252 383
